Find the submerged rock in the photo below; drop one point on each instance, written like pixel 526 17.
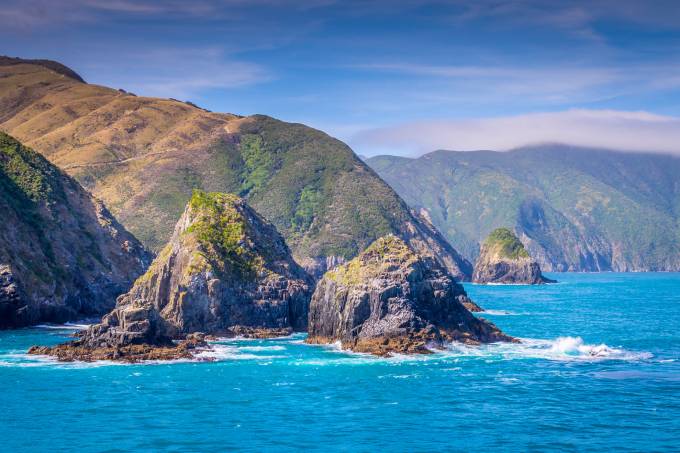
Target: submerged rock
pixel 226 271
pixel 503 259
pixel 391 300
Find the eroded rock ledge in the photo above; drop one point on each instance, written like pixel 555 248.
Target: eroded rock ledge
pixel 391 300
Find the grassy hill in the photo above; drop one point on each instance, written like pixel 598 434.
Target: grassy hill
pixel 574 208
pixel 144 156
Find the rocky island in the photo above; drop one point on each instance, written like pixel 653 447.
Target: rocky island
pixel 226 271
pixel 391 300
pixel 504 260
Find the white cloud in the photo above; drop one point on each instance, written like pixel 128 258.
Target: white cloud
pixel 171 72
pixel 619 130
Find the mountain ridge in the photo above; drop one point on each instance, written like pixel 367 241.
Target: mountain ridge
pixel 144 156
pixel 575 208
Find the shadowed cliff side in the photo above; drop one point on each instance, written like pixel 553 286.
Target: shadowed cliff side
pixel 63 257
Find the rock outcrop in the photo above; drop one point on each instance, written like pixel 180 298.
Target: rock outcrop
pixel 391 300
pixel 226 271
pixel 63 256
pixel 503 259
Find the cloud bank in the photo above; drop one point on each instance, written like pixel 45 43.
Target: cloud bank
pixel 619 130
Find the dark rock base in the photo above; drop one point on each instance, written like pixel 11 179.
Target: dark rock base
pixel 74 351
pixel 421 342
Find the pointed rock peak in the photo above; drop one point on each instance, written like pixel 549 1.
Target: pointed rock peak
pixel 504 259
pixel 390 300
pixel 226 271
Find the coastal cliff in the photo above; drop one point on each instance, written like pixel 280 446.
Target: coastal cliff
pixel 391 300
pixel 226 271
pixel 503 259
pixel 63 257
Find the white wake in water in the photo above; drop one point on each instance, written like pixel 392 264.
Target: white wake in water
pixel 562 348
pixel 66 326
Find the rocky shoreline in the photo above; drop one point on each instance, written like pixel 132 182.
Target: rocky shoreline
pixel 227 272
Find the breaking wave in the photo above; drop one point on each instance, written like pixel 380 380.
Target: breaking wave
pixel 562 348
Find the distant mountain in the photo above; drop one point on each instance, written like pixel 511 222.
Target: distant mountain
pixel 63 257
pixel 143 156
pixel 575 209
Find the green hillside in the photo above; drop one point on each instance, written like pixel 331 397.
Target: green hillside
pixel 144 156
pixel 575 208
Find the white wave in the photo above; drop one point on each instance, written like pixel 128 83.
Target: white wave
pixel 65 326
pixel 261 348
pixel 497 313
pixel 218 352
pixel 562 349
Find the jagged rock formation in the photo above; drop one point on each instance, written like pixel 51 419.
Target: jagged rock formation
pixel 225 271
pixel 63 257
pixel 391 300
pixel 575 209
pixel 504 259
pixel 143 156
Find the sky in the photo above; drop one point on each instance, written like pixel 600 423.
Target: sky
pixel 387 77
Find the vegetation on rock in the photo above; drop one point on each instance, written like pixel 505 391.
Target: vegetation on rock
pixel 226 271
pixel 506 244
pixel 503 259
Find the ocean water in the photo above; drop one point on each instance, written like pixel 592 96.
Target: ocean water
pixel 599 368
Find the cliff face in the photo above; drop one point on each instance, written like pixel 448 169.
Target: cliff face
pixel 225 271
pixel 575 209
pixel 144 156
pixel 389 299
pixel 503 259
pixel 62 255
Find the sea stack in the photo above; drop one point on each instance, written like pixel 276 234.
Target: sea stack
pixel 226 271
pixel 391 300
pixel 504 260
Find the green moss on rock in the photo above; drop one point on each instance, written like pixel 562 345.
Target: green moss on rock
pixel 221 231
pixel 383 253
pixel 506 244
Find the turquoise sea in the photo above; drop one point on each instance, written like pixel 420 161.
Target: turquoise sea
pixel 598 369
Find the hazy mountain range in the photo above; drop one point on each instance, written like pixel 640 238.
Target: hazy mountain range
pixel 576 209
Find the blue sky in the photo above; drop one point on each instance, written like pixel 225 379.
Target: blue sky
pixel 401 77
